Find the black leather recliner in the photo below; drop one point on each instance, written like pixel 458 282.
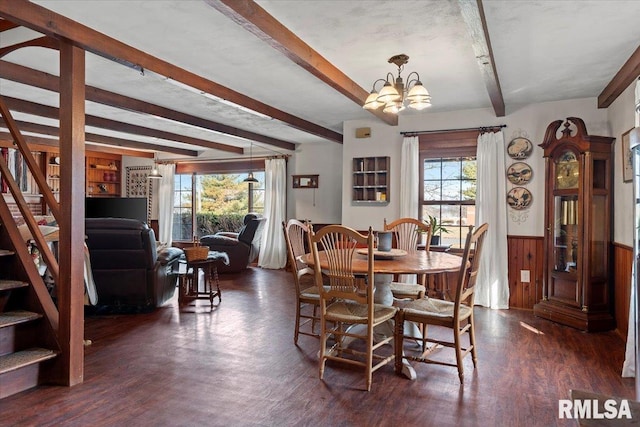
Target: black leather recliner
pixel 242 247
pixel 127 270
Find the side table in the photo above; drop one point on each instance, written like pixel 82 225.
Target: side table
pixel 190 288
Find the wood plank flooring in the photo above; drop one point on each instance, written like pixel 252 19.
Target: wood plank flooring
pixel 236 365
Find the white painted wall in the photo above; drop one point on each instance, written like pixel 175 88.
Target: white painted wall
pixel 321 205
pixel 621 119
pixel 331 202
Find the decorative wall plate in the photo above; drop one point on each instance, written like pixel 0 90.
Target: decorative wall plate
pixel 519 148
pixel 519 173
pixel 519 198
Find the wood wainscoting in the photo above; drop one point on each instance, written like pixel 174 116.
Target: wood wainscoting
pixel 622 264
pixel 525 253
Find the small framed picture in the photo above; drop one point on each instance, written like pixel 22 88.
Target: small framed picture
pixel 627 156
pixel 305 181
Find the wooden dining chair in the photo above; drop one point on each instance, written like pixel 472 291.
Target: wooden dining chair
pixel 456 315
pixel 408 233
pixel 296 234
pixel 347 301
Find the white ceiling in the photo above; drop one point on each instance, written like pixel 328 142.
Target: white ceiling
pixel 544 51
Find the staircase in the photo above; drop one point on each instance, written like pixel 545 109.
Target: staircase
pixel 27 340
pixel 34 347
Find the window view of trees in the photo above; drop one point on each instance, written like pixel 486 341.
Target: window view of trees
pixel 222 194
pixel 219 202
pixel 449 195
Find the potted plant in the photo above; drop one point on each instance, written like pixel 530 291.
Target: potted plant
pixel 436 229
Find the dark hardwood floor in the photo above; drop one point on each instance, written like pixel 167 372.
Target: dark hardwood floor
pixel 236 365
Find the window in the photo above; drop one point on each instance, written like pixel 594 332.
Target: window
pixel 448 182
pixel 202 198
pixel 449 194
pixel 182 204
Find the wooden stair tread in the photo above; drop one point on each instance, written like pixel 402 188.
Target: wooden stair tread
pixel 11 362
pixel 6 252
pixel 6 285
pixel 15 317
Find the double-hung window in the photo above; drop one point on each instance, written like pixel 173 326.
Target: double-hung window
pixel 448 183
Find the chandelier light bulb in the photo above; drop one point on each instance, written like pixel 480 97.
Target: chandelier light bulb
pixel 372 101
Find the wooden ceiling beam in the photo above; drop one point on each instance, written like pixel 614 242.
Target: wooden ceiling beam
pixel 621 81
pixel 28 107
pixel 102 139
pixel 46 41
pixel 6 140
pixel 53 24
pixel 257 21
pixel 42 80
pixel 473 14
pixel 6 25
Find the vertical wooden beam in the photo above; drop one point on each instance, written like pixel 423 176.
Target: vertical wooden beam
pixel 71 250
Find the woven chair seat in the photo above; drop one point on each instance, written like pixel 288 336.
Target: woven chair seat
pixel 351 312
pixel 434 307
pixel 406 290
pixel 310 293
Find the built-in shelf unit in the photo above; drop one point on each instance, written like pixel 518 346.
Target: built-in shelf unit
pixel 370 180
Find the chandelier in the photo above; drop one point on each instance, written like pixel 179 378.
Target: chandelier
pixel 394 96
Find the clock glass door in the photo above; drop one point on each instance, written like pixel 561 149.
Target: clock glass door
pixel 565 251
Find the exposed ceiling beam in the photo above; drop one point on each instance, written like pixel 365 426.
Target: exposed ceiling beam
pixel 99 122
pixel 621 81
pixel 102 139
pixel 473 14
pixel 45 41
pixel 42 80
pixel 257 21
pixel 7 25
pixel 53 24
pixel 6 137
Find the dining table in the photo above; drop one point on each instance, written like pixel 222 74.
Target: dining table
pixel 386 265
pixel 389 263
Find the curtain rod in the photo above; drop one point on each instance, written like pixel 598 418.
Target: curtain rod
pixel 481 129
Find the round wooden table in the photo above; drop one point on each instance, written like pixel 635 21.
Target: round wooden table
pixel 418 262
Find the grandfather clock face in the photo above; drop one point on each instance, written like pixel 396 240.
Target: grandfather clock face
pixel 567 171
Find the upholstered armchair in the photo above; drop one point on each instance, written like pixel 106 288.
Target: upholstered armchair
pixel 127 269
pixel 242 247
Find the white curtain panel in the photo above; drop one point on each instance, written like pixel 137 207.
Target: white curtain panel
pixel 492 287
pixel 165 202
pixel 273 250
pixel 409 177
pixel 629 365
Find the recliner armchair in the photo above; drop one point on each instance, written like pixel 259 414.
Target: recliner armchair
pixel 127 270
pixel 243 247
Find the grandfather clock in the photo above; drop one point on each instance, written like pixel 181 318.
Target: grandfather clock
pixel 577 288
